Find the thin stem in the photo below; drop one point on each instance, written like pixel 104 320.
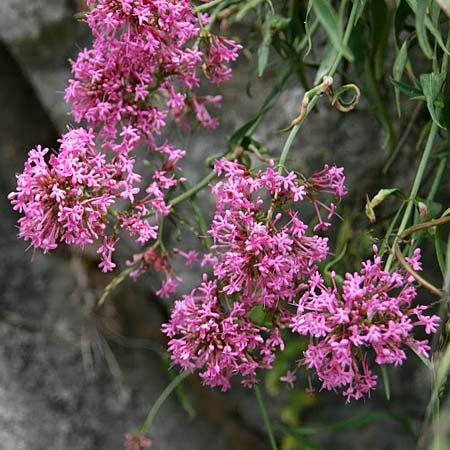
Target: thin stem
pixel 402 260
pixel 348 31
pixel 160 239
pixel 201 222
pixel 438 178
pixel 305 39
pixel 415 189
pixel 293 134
pixel 194 190
pixel 160 401
pixel 265 418
pixel 446 284
pixel 445 59
pixel 295 129
pixel 209 5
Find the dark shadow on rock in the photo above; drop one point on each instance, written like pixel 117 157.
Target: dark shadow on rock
pixel 24 123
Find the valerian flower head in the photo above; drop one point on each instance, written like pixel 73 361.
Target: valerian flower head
pixel 145 60
pixel 371 318
pixel 65 198
pixel 262 256
pixel 264 250
pixel 219 340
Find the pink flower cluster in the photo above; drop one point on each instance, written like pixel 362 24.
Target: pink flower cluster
pixel 69 197
pixel 371 318
pixel 263 256
pixel 219 339
pixel 143 65
pixel 262 252
pixel 265 264
pixel 146 58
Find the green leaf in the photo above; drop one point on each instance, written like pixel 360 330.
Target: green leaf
pixel 326 64
pixel 431 86
pixel 279 23
pixel 260 316
pixel 369 84
pixel 443 368
pixel 397 71
pixel 246 8
pixel 439 246
pixel 308 29
pixel 408 90
pixel 380 18
pixel 264 48
pixel 446 112
pixel 429 24
pixel 273 24
pixel 421 15
pixel 328 19
pixel 356 422
pixel 378 199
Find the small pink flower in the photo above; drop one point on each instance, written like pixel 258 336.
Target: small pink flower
pixel 136 442
pixel 289 378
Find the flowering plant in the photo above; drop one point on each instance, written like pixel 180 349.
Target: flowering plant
pixel 266 254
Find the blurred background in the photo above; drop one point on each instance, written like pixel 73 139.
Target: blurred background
pixel 75 376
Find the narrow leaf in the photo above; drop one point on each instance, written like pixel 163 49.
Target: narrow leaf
pixel 328 18
pixel 431 85
pixel 439 245
pixel 264 48
pixel 421 14
pixel 408 90
pixel 397 72
pixel 429 24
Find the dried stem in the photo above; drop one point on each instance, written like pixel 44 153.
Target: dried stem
pixel 404 263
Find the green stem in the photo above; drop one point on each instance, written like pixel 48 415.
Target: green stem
pixel 200 219
pixel 305 39
pixel 194 190
pixel 438 178
pixel 160 401
pixel 415 189
pixel 265 418
pixel 314 100
pixel 348 31
pixel 207 6
pixel 160 239
pixel 420 170
pixel 293 134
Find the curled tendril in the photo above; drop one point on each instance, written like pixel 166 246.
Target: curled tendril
pixel 336 98
pixel 315 91
pixel 338 101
